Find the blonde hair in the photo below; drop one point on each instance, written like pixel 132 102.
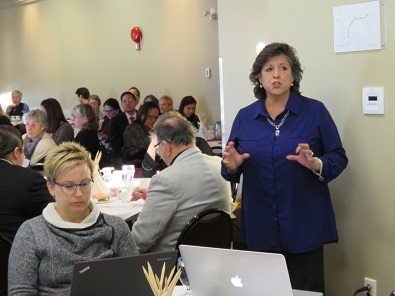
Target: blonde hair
pixel 65 156
pixel 167 99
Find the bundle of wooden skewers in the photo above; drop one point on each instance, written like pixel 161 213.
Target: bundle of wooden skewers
pixel 99 189
pixel 96 161
pixel 165 285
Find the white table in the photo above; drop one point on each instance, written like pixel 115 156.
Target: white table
pixel 180 291
pixel 121 209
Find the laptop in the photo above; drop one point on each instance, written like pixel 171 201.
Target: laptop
pixel 119 276
pixel 213 272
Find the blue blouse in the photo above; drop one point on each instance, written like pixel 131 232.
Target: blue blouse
pixel 285 207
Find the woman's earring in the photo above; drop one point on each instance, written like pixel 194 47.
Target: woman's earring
pixel 292 84
pixel 260 85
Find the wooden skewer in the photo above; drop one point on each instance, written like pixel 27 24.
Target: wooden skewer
pixel 165 285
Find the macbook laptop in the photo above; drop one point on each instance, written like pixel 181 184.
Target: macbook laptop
pixel 119 276
pixel 213 272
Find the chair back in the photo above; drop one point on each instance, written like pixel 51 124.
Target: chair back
pixel 5 248
pixel 210 228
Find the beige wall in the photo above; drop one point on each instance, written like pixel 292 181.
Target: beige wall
pixel 52 47
pixel 364 195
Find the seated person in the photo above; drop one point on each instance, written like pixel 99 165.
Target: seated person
pixel 136 137
pixel 111 109
pixel 190 184
pixel 70 229
pixel 165 104
pixel 86 126
pixel 37 142
pixel 58 127
pixel 151 98
pixel 95 102
pixel 118 125
pixel 24 192
pixel 187 109
pixel 152 163
pixel 17 108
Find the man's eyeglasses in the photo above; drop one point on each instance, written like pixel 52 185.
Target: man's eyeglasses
pixel 157 146
pixel 70 188
pixel 128 100
pixel 108 111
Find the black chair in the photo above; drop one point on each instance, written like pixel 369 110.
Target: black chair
pixel 5 248
pixel 210 228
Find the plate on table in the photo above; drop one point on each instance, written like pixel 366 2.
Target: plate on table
pixel 105 200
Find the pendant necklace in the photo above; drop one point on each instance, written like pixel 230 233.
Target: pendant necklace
pixel 277 126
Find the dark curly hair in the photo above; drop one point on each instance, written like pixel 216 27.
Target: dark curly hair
pixel 270 51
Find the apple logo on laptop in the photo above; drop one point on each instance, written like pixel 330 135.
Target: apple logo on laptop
pixel 236 281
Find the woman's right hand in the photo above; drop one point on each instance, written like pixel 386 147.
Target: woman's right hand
pixel 232 159
pixel 138 193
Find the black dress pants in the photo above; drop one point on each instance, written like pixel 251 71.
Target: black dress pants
pixel 306 270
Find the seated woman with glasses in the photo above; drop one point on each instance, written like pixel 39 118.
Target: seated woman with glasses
pixel 136 137
pixel 70 229
pixel 111 109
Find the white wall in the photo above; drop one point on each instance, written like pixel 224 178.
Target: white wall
pixel 242 25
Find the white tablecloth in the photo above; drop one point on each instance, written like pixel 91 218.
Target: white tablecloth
pixel 121 209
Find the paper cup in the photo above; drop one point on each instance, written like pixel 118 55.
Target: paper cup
pixel 144 183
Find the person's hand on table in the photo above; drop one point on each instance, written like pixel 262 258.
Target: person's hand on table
pixel 232 159
pixel 139 193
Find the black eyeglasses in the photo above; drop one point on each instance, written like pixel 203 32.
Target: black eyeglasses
pixel 157 145
pixel 69 188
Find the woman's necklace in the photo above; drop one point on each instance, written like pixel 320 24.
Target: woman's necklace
pixel 277 126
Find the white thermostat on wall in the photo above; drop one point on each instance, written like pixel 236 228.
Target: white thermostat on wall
pixel 373 100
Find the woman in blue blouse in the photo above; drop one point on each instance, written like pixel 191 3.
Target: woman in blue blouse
pixel 288 149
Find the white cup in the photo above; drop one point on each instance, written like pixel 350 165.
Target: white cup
pixel 124 193
pixel 144 183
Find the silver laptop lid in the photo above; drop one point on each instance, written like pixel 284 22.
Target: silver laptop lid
pixel 213 272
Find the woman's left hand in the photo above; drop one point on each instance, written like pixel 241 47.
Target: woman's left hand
pixel 304 155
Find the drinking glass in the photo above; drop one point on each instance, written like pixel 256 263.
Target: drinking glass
pixel 184 277
pixel 124 193
pixel 127 173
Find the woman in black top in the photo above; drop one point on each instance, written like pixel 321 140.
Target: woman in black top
pixel 85 123
pixel 136 137
pixel 187 109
